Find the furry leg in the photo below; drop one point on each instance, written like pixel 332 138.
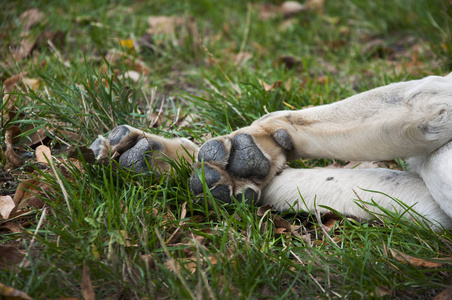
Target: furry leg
pixel 308 189
pixel 436 171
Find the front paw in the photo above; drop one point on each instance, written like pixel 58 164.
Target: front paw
pixel 141 152
pixel 241 164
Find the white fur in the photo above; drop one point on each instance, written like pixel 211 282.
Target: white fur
pixel 403 119
pixel 308 189
pixel 407 119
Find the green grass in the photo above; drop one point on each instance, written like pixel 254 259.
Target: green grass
pixel 128 228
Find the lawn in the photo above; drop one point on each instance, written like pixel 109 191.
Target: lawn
pixel 71 228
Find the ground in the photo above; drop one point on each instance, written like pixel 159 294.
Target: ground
pixel 71 227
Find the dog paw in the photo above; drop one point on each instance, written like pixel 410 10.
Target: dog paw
pixel 241 164
pixel 139 151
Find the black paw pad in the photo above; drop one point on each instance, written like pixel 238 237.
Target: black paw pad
pixel 282 138
pixel 246 159
pixel 117 134
pixel 213 150
pixel 251 196
pixel 139 157
pixel 220 192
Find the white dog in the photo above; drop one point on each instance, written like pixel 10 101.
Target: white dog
pixel 410 120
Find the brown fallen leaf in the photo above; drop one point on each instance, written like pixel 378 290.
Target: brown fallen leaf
pixel 133 75
pixel 86 285
pixel 190 264
pixel 445 294
pixel 329 224
pixel 316 5
pixel 267 11
pixel 10 83
pixel 38 137
pixel 32 83
pixel 279 222
pixel 11 227
pixel 30 17
pixel 290 62
pixel 13 161
pixel 242 57
pixel 10 256
pixel 26 194
pixel 43 154
pixel 163 24
pixel 6 206
pixel 11 293
pixel 419 262
pixel 268 87
pixel 24 49
pixel 381 291
pixel 55 39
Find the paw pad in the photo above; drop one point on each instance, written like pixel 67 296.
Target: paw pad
pixel 139 157
pixel 246 159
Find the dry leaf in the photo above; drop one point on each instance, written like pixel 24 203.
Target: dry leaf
pixel 32 83
pixel 279 231
pixel 11 293
pixel 24 49
pixel 267 11
pixel 55 38
pixel 86 285
pixel 242 58
pixel 291 8
pixel 26 194
pixel 11 227
pixel 419 262
pixel 30 17
pixel 317 5
pixel 175 265
pixel 10 83
pixel 268 87
pixel 38 137
pixel 279 222
pixel 43 154
pixel 6 206
pixel 133 75
pixel 381 292
pixel 290 62
pixel 10 256
pixel 445 294
pixel 329 224
pixel 163 24
pixel 12 160
pixel 190 264
pixel 261 211
pixel 138 66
